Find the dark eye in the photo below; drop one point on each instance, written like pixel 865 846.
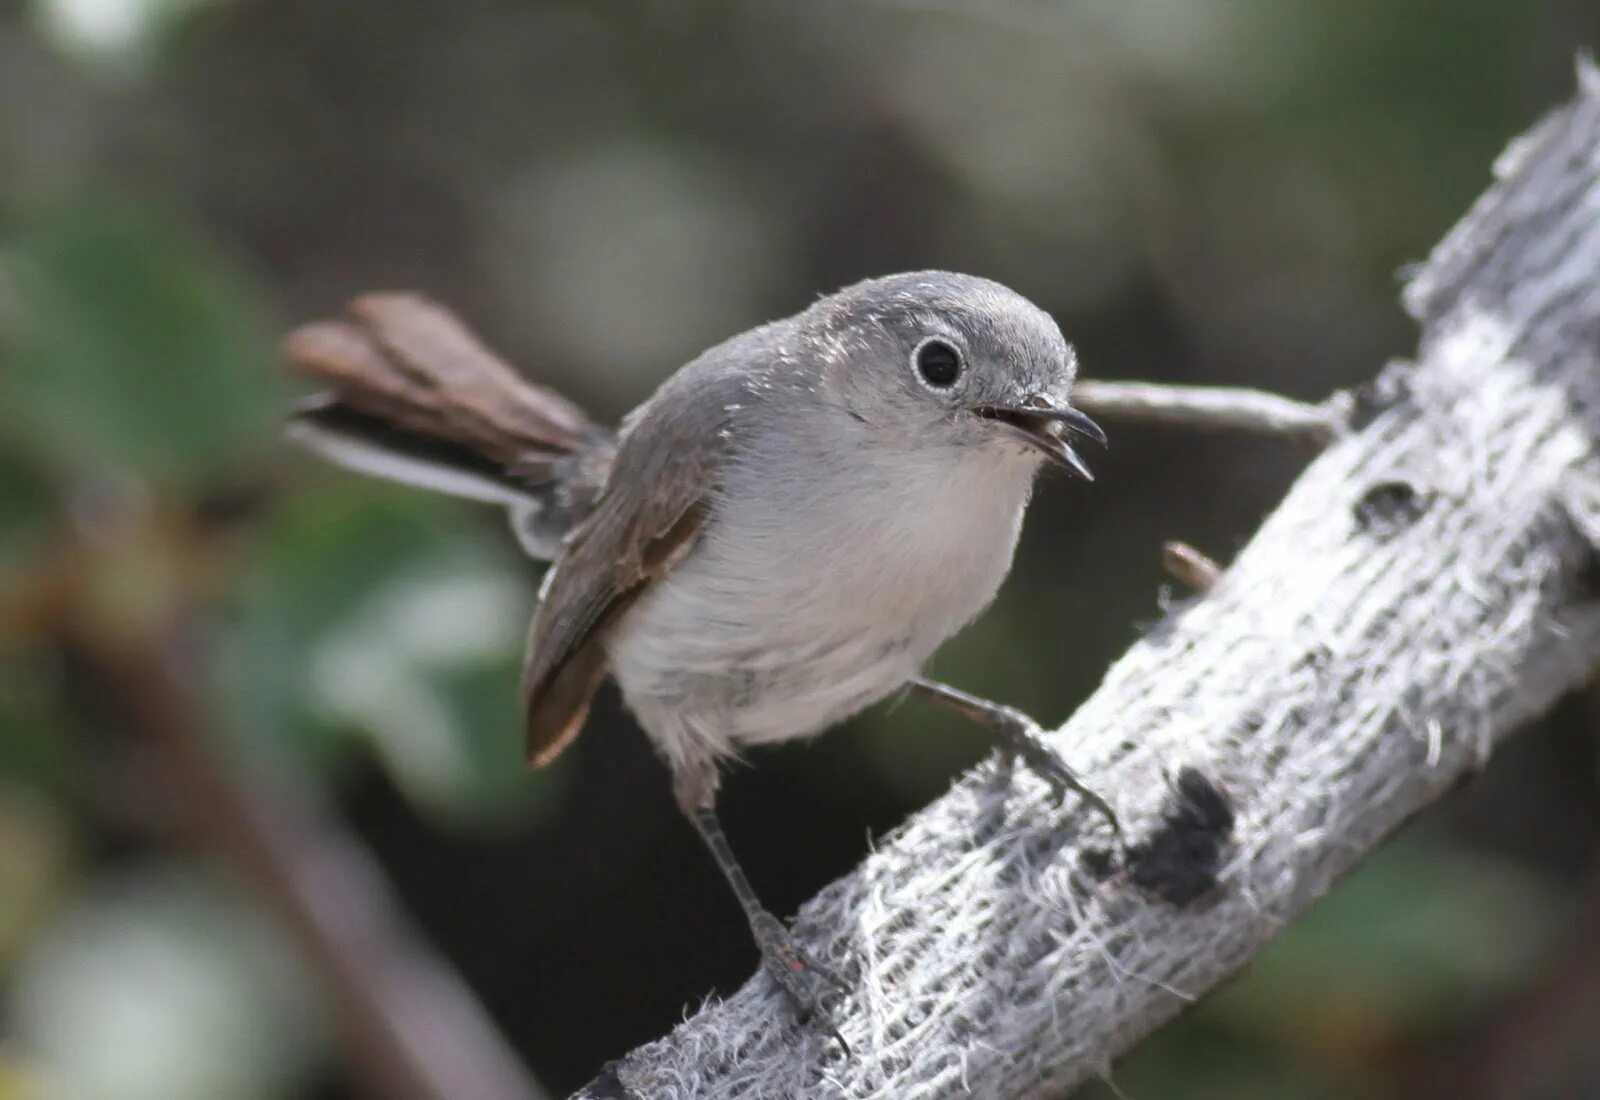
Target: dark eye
pixel 938 363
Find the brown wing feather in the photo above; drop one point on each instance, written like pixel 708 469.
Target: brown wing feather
pixel 566 657
pixel 557 699
pixel 556 714
pixel 653 507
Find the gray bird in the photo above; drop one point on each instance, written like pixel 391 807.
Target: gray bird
pixel 780 536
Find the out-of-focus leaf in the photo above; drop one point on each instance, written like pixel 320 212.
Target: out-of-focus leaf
pixel 315 562
pixel 132 348
pixel 393 616
pixel 156 986
pixel 317 557
pixel 25 508
pixel 1196 1063
pixel 35 865
pixel 35 746
pixel 1420 935
pixel 428 669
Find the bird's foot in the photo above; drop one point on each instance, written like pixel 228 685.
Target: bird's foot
pixel 806 981
pixel 1020 737
pixel 1024 740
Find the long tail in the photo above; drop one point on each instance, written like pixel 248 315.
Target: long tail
pixel 416 398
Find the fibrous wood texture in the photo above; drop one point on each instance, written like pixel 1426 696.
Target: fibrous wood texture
pixel 1429 585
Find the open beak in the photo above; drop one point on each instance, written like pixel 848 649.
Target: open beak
pixel 1047 425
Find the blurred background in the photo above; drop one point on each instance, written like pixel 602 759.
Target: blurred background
pixel 261 805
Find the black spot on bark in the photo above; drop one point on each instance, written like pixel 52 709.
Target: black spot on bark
pixel 1179 861
pixel 1584 569
pixel 1098 863
pixel 1581 562
pixel 1389 507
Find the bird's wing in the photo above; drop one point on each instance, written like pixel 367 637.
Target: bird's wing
pixel 655 502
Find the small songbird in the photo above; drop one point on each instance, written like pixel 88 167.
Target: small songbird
pixel 781 535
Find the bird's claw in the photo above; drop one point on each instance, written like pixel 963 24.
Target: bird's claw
pixel 1026 743
pixel 803 978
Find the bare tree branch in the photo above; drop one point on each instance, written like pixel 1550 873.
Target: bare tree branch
pixel 1221 408
pixel 1429 585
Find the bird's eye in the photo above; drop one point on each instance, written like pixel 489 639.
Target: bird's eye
pixel 938 364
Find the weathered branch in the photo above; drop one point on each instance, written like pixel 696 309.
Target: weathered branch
pixel 1222 408
pixel 1427 587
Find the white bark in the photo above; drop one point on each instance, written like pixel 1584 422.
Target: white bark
pixel 1215 407
pixel 1428 586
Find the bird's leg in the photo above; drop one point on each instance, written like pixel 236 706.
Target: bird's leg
pixel 800 976
pixel 1020 736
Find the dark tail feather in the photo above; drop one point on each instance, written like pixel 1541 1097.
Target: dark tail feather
pixel 417 399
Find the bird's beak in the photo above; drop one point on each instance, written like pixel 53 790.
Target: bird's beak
pixel 1046 424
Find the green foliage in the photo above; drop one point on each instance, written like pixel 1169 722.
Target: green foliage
pixel 26 504
pixel 384 615
pixel 1421 936
pixel 33 748
pixel 133 349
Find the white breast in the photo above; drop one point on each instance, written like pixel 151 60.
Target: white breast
pixel 809 597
